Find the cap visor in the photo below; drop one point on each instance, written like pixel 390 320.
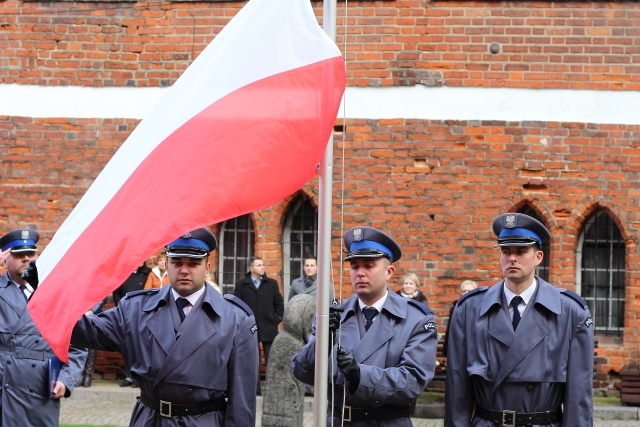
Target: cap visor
pixel 21 249
pixel 515 243
pixel 365 254
pixel 184 255
pixel 186 252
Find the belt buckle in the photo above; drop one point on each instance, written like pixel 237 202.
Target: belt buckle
pixel 346 410
pixel 505 418
pixel 165 404
pixel 19 352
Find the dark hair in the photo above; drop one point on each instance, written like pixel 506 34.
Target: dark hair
pixel 253 259
pixel 310 257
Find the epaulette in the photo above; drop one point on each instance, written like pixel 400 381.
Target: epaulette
pixel 577 298
pixel 420 306
pixel 141 292
pixel 476 291
pixel 237 301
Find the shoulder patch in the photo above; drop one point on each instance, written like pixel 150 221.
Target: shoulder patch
pixel 423 308
pixel 430 325
pixel 476 291
pixel 141 292
pixel 237 301
pixel 577 298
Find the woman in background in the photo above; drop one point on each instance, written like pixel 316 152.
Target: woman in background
pixel 410 283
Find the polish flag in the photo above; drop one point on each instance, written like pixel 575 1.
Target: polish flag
pixel 241 129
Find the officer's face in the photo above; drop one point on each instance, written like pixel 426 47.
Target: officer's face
pixel 16 264
pixel 369 277
pixel 187 274
pixel 310 267
pixel 519 263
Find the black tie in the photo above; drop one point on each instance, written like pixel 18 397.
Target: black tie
pixel 182 303
pixel 369 313
pixel 515 302
pixel 23 289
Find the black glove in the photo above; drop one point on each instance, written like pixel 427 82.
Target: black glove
pixel 31 275
pixel 334 317
pixel 349 367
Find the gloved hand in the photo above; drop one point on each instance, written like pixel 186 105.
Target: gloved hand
pixel 349 367
pixel 334 317
pixel 31 274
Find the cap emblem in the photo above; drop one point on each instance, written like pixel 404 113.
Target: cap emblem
pixel 186 235
pixel 24 235
pixel 357 235
pixel 510 221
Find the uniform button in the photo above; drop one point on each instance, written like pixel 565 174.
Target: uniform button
pixel 530 387
pixel 33 365
pixel 376 402
pixel 6 386
pixel 37 341
pixel 8 362
pixel 190 390
pixel 31 390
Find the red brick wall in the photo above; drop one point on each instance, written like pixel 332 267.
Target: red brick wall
pixel 576 45
pixel 435 185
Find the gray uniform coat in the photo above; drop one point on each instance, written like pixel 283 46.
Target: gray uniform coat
pixel 298 287
pixel 396 357
pixel 24 396
pixel 547 362
pixel 213 354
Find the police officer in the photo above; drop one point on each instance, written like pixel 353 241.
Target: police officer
pixel 25 395
pixel 520 351
pixel 192 351
pixel 387 344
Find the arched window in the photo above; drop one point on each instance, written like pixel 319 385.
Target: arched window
pixel 543 268
pixel 237 241
pixel 300 240
pixel 600 274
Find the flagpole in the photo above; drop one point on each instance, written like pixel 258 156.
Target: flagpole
pixel 325 199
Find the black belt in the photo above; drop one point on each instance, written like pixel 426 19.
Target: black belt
pixel 170 409
pixel 25 353
pixel 386 412
pixel 513 418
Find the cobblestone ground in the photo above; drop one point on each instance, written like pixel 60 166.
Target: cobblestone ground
pixel 108 404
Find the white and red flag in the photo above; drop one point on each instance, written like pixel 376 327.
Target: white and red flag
pixel 241 129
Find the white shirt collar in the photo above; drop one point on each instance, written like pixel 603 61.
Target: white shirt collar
pixel 526 295
pixel 191 298
pixel 28 286
pixel 377 305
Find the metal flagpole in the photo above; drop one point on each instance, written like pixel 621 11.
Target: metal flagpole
pixel 324 255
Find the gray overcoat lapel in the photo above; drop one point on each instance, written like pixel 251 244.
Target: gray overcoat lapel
pixel 532 330
pixel 201 328
pixel 160 323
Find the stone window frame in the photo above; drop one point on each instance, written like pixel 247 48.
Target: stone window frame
pixel 237 245
pixel 601 271
pixel 299 240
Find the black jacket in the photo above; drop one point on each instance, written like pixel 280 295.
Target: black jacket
pixel 135 282
pixel 266 302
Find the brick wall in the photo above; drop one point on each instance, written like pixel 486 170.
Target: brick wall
pixel 436 185
pixel 577 45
